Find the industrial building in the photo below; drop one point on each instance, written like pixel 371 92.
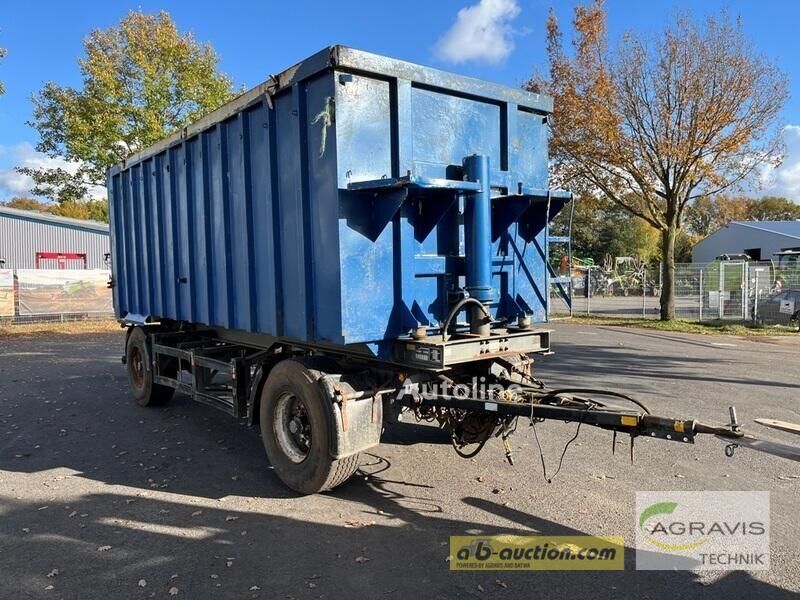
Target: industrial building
pixel 760 240
pixel 35 240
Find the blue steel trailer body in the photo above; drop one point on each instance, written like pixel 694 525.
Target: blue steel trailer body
pixel 355 239
pixel 328 206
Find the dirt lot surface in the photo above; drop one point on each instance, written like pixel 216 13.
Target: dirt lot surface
pixel 103 499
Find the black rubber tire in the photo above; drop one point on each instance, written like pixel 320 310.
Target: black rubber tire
pixel 140 376
pixel 318 471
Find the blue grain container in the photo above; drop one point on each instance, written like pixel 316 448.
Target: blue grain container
pixel 326 205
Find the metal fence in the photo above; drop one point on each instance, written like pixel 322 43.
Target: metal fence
pixel 35 295
pixel 758 292
pixel 629 294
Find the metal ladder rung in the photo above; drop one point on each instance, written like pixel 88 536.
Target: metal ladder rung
pixel 563 283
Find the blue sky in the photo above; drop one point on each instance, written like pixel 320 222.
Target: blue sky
pixel 254 39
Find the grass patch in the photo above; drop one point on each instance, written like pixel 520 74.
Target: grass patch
pixel 58 328
pixel 678 326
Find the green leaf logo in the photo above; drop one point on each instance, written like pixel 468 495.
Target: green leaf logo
pixel 659 508
pixel 664 508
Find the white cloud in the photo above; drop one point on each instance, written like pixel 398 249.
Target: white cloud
pixel 785 180
pixel 481 32
pixel 24 154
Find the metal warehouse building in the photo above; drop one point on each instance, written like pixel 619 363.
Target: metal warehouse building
pixel 758 239
pixel 30 240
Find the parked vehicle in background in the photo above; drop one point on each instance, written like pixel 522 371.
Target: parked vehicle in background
pixel 781 309
pixel 734 257
pixel 786 259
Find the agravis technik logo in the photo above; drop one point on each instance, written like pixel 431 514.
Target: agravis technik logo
pixel 702 530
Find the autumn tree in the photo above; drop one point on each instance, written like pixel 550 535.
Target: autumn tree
pixel 23 203
pixel 657 123
pixel 600 227
pixel 706 215
pixel 142 80
pixel 92 210
pixel 774 208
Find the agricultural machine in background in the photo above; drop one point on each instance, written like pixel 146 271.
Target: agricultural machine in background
pixel 622 276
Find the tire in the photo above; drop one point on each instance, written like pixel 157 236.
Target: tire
pixel 296 431
pixel 140 378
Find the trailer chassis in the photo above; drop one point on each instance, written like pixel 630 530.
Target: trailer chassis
pixel 472 401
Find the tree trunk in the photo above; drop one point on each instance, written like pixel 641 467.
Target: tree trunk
pixel 668 272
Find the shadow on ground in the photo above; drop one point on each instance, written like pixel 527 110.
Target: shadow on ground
pixel 117 539
pixel 182 497
pixel 574 360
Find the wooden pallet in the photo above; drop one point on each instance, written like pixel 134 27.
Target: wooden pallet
pixel 780 425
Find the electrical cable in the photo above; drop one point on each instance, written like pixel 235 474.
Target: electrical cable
pixel 600 392
pixel 563 452
pixel 467 454
pixel 543 394
pixel 481 444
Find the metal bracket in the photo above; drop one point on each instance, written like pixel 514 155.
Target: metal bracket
pixel 272 85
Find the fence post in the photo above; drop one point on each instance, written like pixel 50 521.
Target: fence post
pixel 700 303
pixel 755 298
pixel 745 290
pixel 589 289
pixel 644 291
pixel 721 292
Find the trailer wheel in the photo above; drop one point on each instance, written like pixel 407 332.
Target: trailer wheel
pixel 140 377
pixel 295 430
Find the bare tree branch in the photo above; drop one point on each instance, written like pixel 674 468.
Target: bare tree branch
pixel 660 122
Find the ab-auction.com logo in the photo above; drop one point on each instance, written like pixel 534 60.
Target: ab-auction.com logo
pixel 702 530
pixel 514 552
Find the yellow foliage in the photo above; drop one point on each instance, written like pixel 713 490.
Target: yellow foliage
pixel 660 121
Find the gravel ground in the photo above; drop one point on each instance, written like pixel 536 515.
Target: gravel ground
pixel 103 499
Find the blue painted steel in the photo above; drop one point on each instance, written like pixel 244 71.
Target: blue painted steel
pixel 327 205
pixel 478 230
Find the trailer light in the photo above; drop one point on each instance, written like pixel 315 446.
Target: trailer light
pixel 679 426
pixel 630 421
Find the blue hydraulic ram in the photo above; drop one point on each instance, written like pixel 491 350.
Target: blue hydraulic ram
pixel 478 241
pixel 316 253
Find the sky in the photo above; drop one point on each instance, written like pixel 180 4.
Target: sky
pixel 497 40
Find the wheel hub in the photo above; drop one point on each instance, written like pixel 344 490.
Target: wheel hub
pixel 137 366
pixel 292 427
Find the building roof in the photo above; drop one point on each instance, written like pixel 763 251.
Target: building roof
pixel 48 219
pixel 787 228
